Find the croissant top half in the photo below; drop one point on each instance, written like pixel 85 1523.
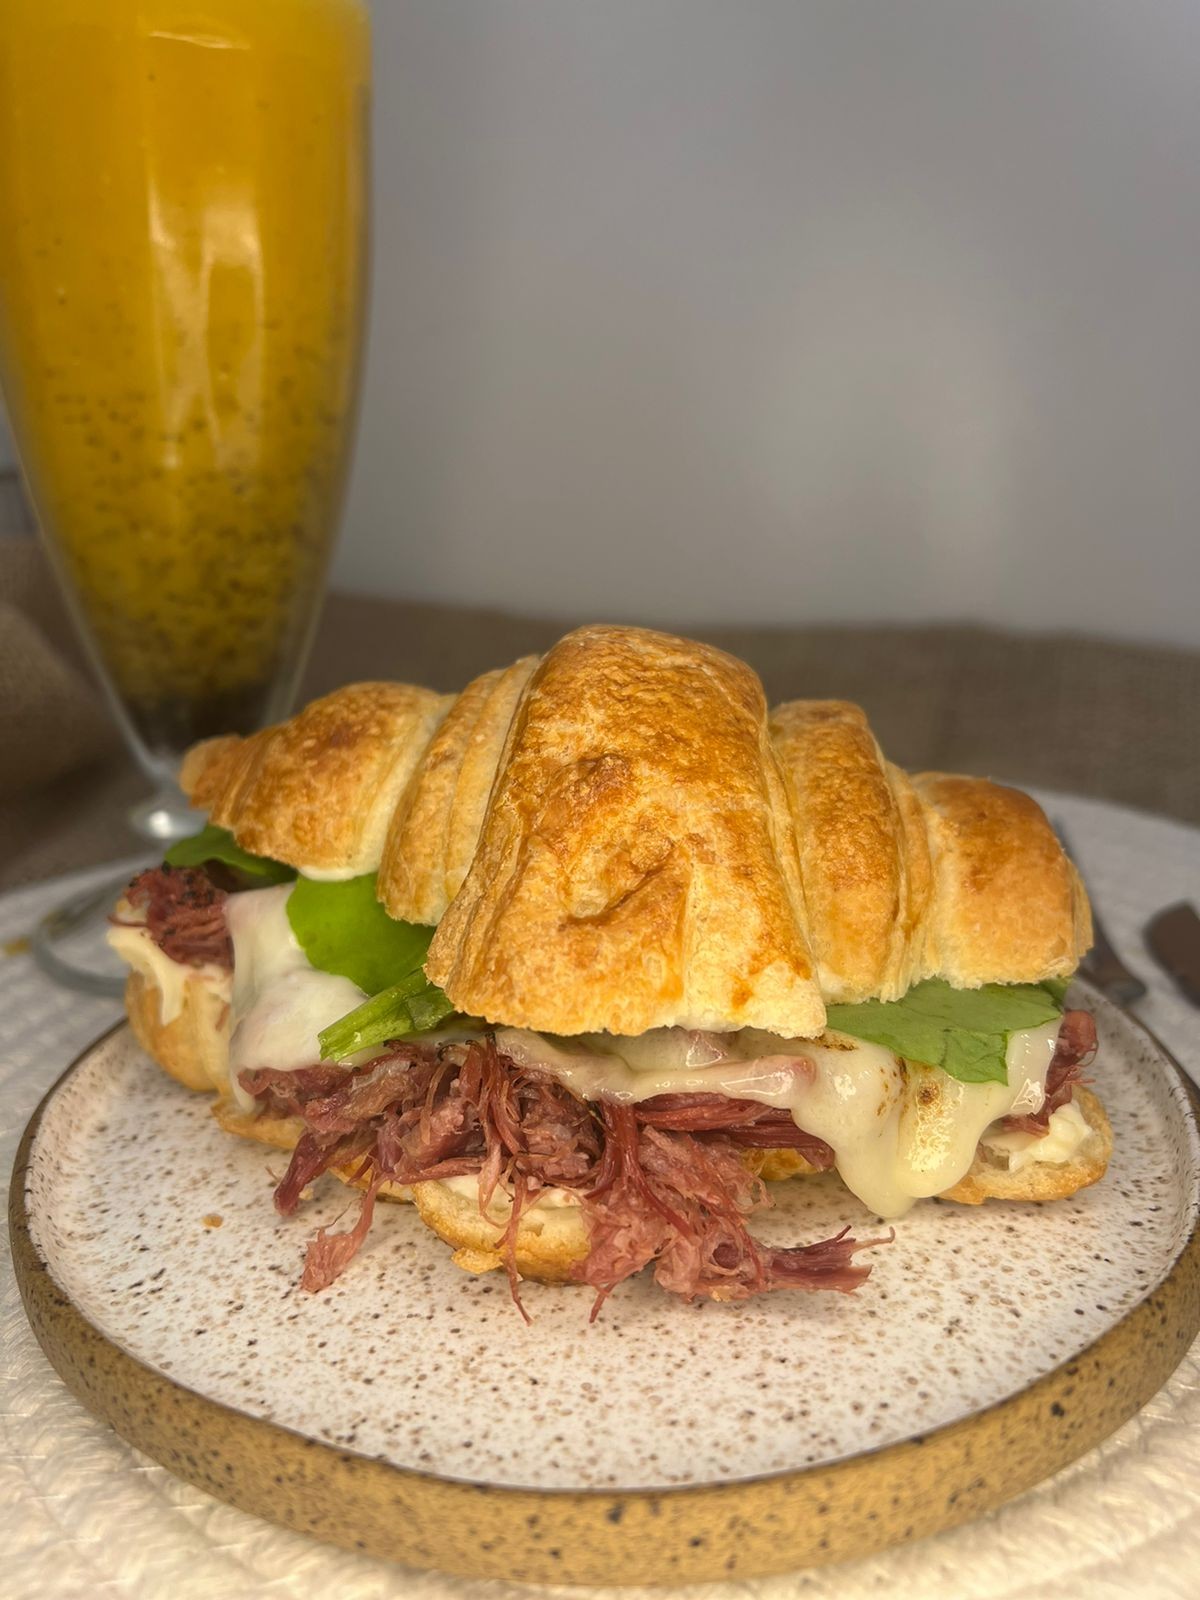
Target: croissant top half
pixel 619 837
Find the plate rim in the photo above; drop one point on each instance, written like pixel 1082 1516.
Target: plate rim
pixel 775 1522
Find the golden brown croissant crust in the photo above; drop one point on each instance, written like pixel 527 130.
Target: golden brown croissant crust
pixel 619 836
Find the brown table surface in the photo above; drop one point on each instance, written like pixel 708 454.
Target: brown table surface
pixel 1111 720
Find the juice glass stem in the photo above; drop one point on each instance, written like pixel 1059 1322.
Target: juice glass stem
pixel 165 816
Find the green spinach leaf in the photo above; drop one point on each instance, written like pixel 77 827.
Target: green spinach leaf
pixel 342 928
pixel 218 844
pixel 412 1006
pixel 963 1031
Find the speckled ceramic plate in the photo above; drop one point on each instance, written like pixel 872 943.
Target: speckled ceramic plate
pixel 409 1410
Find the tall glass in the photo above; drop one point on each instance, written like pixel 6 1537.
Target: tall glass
pixel 182 215
pixel 182 269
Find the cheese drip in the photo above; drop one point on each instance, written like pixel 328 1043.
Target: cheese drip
pixel 1065 1136
pixel 898 1131
pixel 134 945
pixel 280 1001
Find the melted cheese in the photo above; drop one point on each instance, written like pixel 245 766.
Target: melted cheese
pixel 1066 1133
pixel 280 1002
pixel 334 874
pixel 135 946
pixel 899 1132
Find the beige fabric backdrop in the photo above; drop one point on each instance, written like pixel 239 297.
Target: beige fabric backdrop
pixel 1114 721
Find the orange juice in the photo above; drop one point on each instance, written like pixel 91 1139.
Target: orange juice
pixel 182 204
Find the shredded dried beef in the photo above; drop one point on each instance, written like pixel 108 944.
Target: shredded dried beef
pixel 660 1183
pixel 680 1203
pixel 745 1122
pixel 184 913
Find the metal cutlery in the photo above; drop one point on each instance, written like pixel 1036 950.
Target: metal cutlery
pixel 1173 935
pixel 1102 965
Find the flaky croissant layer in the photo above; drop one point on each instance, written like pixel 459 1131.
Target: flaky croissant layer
pixel 618 837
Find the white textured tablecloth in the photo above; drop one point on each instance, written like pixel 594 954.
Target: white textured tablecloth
pixel 83 1514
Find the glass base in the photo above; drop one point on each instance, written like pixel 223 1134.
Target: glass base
pixel 165 816
pixel 68 944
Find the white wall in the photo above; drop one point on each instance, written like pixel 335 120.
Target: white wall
pixel 787 309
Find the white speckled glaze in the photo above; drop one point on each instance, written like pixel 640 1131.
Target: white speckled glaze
pixel 409 1359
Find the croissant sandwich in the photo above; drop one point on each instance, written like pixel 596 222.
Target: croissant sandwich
pixel 578 958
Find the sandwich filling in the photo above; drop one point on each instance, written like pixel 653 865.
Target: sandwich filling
pixel 654 1138
pixel 659 1183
